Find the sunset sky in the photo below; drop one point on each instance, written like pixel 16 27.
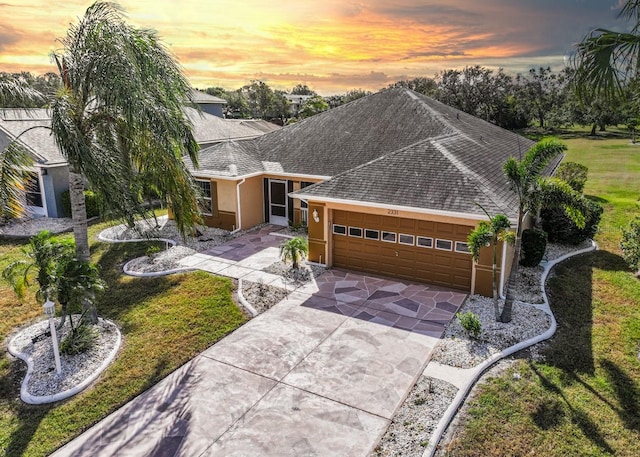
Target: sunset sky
pixel 330 45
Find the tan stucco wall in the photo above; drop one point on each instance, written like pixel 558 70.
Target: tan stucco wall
pixel 226 195
pixel 252 202
pixel 318 233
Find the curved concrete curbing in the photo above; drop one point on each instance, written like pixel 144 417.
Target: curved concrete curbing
pixel 39 400
pixel 243 301
pixel 477 372
pixel 153 274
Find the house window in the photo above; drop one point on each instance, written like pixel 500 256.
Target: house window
pixel 339 229
pixel 444 245
pixel 372 234
pixel 405 239
pixel 205 201
pixel 424 242
pixel 389 237
pixel 33 193
pixel 355 232
pixel 463 247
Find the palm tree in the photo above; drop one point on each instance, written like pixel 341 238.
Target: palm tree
pixel 42 256
pixel 605 60
pixel 490 234
pixel 532 190
pixel 119 116
pixel 294 249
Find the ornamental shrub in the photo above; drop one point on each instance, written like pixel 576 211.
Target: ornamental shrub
pixel 93 202
pixel 534 245
pixel 574 174
pixel 630 243
pixel 470 322
pixel 561 229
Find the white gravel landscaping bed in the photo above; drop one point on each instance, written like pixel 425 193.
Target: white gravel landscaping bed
pixel 262 296
pixel 43 378
pixel 25 228
pixel 409 431
pixel 458 349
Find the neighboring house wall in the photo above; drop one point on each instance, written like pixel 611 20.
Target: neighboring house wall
pixel 55 182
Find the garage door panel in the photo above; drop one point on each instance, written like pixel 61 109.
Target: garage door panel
pixel 415 263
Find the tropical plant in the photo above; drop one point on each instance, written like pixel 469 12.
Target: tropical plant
pixel 75 286
pixel 531 191
pixel 118 119
pixel 606 60
pixel 294 250
pixel 490 234
pixel 630 244
pixel 43 256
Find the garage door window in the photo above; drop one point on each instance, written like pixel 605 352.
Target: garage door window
pixel 355 232
pixel 339 229
pixel 462 247
pixel 424 242
pixel 444 245
pixel 389 237
pixel 372 234
pixel 405 239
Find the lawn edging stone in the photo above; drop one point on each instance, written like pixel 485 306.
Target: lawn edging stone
pixel 44 399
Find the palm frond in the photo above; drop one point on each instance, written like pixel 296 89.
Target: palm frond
pixel 13 161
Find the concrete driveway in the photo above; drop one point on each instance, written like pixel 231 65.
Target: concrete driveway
pixel 320 374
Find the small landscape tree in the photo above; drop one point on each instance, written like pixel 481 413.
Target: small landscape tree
pixel 294 250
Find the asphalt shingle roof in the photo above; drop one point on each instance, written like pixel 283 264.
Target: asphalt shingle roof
pixel 202 97
pixel 396 147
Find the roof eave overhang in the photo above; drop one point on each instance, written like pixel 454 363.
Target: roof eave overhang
pixel 435 212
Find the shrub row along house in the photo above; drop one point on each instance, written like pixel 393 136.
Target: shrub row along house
pixel 388 184
pixel 49 177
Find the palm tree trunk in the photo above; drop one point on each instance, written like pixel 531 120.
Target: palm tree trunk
pixel 78 214
pixel 513 274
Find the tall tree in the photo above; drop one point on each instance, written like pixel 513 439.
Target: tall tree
pixel 313 106
pixel 606 60
pixel 119 115
pixel 303 89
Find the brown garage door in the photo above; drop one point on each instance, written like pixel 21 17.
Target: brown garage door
pixel 423 251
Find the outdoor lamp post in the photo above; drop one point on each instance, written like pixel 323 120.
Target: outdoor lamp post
pixel 50 311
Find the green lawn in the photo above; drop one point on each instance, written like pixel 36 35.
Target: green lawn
pixel 164 321
pixel 585 399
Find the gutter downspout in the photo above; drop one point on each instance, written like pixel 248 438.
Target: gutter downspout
pixel 502 267
pixel 239 213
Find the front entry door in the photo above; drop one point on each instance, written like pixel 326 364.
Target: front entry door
pixel 278 202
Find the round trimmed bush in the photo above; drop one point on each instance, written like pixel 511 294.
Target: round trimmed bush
pixel 561 229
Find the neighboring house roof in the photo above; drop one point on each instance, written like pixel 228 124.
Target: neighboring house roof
pixel 202 97
pixel 33 128
pixel 207 129
pixel 257 124
pixel 395 147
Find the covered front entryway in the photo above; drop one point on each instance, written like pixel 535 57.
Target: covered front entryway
pixel 416 250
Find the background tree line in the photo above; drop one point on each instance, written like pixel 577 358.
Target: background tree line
pixel 543 98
